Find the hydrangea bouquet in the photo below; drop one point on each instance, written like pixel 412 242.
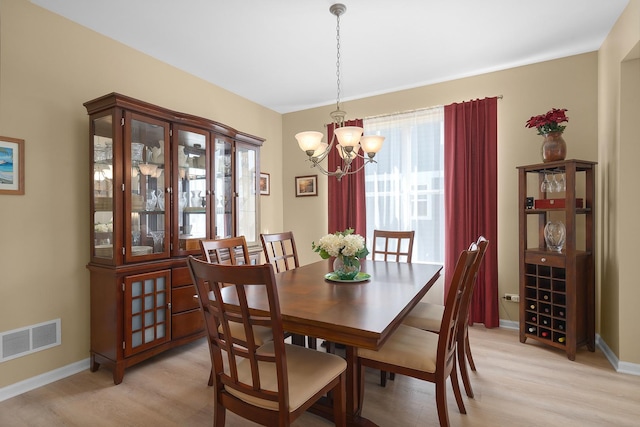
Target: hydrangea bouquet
pixel 347 248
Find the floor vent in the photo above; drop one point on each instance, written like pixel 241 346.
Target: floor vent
pixel 27 340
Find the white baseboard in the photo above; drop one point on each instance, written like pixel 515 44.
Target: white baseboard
pixel 42 379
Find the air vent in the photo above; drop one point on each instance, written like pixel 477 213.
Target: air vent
pixel 23 341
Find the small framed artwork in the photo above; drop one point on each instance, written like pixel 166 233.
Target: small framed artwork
pixel 11 166
pixel 306 185
pixel 265 184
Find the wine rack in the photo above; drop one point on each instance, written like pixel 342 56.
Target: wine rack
pixel 557 291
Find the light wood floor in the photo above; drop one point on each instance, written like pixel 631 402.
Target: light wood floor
pixel 515 385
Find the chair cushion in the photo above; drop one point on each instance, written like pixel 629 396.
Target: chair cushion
pixel 425 316
pixel 262 334
pixel 308 372
pixel 409 347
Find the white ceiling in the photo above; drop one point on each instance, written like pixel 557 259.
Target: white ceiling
pixel 282 53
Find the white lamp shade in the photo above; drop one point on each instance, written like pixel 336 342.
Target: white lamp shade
pixel 320 150
pixel 348 136
pixel 309 140
pixel 371 143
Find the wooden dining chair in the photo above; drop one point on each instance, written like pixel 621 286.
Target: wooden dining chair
pixel 394 246
pixel 280 251
pixel 270 384
pixel 426 355
pixel 428 316
pixel 230 251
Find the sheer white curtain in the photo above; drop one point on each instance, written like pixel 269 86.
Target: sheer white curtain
pixel 405 190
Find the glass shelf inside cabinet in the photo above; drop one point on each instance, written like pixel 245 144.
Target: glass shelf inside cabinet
pixel 103 187
pixel 192 192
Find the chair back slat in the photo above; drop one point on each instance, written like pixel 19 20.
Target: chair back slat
pixel 231 286
pixel 394 246
pixel 280 250
pixel 229 251
pixel 462 279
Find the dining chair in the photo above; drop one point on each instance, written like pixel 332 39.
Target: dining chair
pixel 270 384
pixel 232 250
pixel 428 316
pixel 426 355
pixel 394 246
pixel 280 251
pixel 225 251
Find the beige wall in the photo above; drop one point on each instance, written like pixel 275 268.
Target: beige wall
pixel 48 68
pixel 618 151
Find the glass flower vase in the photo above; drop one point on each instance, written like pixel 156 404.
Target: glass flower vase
pixel 346 268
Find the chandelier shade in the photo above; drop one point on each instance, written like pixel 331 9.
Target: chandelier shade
pixel 348 140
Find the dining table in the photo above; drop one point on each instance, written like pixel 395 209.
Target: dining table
pixel 358 314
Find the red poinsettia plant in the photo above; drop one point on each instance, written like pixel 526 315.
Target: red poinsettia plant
pixel 549 122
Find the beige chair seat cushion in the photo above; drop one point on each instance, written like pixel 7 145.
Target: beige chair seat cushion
pixel 308 372
pixel 408 347
pixel 261 334
pixel 425 316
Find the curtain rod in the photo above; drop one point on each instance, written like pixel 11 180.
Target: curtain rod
pixel 416 110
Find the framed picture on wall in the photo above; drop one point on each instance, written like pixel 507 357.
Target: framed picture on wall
pixel 306 185
pixel 11 166
pixel 265 184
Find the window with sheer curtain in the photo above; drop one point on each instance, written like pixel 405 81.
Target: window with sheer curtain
pixel 405 190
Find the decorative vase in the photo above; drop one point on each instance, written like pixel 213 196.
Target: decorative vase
pixel 553 147
pixel 346 268
pixel 554 235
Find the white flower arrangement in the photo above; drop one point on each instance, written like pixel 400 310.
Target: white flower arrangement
pixel 341 243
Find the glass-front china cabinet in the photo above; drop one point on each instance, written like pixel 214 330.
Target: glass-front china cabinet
pixel 160 182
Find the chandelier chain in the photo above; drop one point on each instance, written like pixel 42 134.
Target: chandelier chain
pixel 338 60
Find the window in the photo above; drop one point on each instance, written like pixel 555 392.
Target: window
pixel 405 190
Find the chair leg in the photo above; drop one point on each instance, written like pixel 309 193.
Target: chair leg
pixel 456 390
pixel 383 378
pixel 462 365
pixel 467 350
pixel 441 402
pixel 219 415
pixel 339 402
pixel 211 377
pixel 312 343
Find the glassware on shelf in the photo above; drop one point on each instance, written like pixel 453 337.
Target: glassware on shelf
pixel 135 238
pixel 182 200
pixel 196 201
pixel 152 201
pixel 560 183
pixel 545 185
pixel 160 200
pixel 554 235
pixel 158 240
pixel 136 151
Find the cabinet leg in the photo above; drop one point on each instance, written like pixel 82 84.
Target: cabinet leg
pixel 93 365
pixel 118 373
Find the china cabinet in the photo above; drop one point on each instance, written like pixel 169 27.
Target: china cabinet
pixel 160 182
pixel 557 230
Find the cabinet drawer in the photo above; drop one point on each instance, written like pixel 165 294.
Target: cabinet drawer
pixel 182 299
pixel 180 276
pixel 551 260
pixel 186 323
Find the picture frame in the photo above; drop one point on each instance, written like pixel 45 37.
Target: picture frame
pixel 306 185
pixel 265 184
pixel 11 166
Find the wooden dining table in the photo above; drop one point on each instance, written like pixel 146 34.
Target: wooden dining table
pixel 356 314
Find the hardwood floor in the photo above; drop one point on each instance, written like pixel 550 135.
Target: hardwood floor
pixel 515 385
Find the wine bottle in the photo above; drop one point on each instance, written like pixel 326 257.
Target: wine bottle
pixel 544 334
pixel 532 330
pixel 561 339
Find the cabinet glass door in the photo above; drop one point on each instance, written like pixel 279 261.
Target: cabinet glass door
pixel 246 164
pixel 223 189
pixel 147 310
pixel 147 158
pixel 191 196
pixel 102 194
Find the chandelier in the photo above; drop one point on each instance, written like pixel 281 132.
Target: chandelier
pixel 348 140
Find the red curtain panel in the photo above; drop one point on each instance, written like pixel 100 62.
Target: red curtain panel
pixel 471 199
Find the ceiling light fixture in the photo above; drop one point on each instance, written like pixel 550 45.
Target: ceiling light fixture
pixel 349 138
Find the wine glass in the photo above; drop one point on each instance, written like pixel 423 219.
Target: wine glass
pixel 561 184
pixel 545 186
